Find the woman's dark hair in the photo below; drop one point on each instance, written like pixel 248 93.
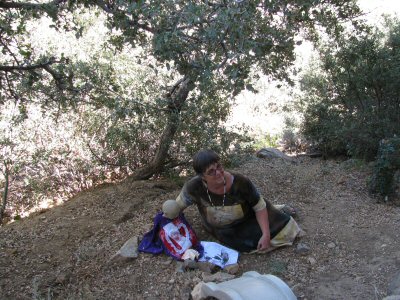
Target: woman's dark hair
pixel 203 159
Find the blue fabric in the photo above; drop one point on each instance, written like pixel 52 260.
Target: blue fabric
pixel 151 243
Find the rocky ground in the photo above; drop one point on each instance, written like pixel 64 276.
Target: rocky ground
pixel 350 250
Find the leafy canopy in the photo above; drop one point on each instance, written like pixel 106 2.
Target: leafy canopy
pixel 353 102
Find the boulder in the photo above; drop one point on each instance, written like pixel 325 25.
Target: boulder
pixel 271 153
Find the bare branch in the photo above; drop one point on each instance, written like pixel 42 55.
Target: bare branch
pixel 28 67
pixel 9 50
pixel 226 56
pixel 11 88
pixel 29 5
pixel 175 86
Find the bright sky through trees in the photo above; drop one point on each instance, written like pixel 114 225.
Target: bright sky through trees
pixel 375 8
pixel 256 111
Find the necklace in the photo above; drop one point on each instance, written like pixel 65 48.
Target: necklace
pixel 223 199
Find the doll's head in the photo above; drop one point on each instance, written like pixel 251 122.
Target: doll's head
pixel 170 209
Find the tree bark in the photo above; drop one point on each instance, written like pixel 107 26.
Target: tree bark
pixel 5 195
pixel 177 99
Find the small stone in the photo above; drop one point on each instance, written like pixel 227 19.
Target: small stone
pixel 130 248
pixel 171 281
pixel 302 249
pixel 301 233
pixel 190 264
pixel 11 252
pixel 179 267
pixel 207 267
pixel 218 277
pixel 198 292
pixel 312 261
pixel 168 261
pixel 62 278
pixel 271 153
pixel 331 245
pixel 196 280
pixel 232 269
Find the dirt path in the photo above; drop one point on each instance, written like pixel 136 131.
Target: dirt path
pixel 64 253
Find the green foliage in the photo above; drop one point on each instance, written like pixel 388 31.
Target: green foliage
pixel 353 102
pixel 149 87
pixel 267 141
pixel 386 165
pixel 45 161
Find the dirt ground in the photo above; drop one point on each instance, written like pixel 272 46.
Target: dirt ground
pixel 64 253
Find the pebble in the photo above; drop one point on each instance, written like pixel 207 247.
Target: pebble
pixel 62 278
pixel 198 291
pixel 302 249
pixel 207 267
pixel 179 267
pixel 190 264
pixel 130 248
pixel 331 245
pixel 232 269
pixel 312 261
pixel 218 277
pixel 168 261
pixel 301 233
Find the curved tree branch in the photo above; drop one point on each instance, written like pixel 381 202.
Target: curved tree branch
pixel 177 99
pixel 29 5
pixel 28 67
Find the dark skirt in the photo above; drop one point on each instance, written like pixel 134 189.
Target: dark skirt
pixel 244 236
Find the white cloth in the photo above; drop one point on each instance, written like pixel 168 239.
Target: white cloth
pixel 218 255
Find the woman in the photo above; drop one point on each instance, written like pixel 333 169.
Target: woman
pixel 232 209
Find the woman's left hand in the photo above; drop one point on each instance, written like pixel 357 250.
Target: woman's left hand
pixel 264 243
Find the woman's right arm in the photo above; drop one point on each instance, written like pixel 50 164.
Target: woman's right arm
pixel 184 199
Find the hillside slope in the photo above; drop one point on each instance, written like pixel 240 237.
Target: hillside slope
pixel 64 253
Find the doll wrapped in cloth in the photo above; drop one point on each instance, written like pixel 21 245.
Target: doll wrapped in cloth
pixel 172 235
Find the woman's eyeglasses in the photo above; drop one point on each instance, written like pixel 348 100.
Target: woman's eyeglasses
pixel 213 171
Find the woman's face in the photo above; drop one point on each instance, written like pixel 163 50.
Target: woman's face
pixel 214 172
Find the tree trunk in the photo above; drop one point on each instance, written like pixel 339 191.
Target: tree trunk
pixel 176 98
pixel 5 195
